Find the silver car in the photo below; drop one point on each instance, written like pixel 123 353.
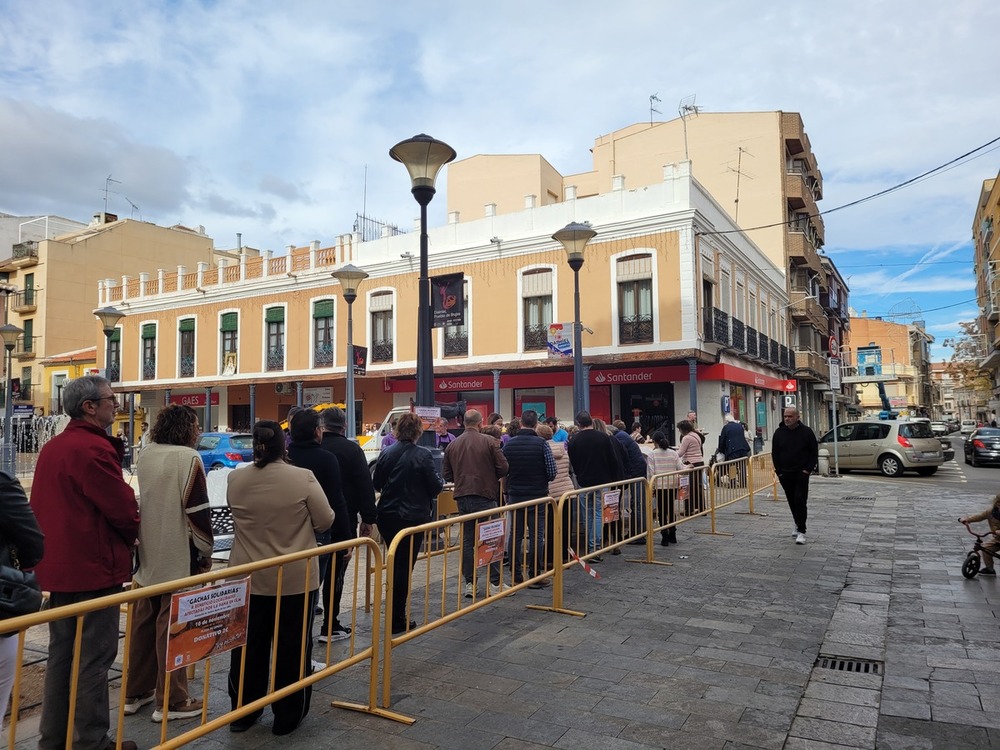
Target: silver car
pixel 890 446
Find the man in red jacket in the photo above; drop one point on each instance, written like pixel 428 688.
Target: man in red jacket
pixel 90 519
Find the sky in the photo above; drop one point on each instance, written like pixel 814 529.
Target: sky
pixel 275 121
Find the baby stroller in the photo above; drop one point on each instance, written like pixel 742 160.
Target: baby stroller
pixel 973 561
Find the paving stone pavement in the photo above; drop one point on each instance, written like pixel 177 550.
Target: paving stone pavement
pixel 717 652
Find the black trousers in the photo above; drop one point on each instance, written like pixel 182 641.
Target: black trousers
pixel 406 556
pixel 334 582
pixel 796 486
pixel 292 654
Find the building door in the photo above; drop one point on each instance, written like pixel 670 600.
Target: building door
pixel 651 406
pixel 239 418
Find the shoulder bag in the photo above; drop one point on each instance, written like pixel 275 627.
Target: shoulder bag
pixel 20 593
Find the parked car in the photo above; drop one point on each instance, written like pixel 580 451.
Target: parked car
pixel 224 449
pixel 969 426
pixel 983 446
pixel 891 446
pixel 940 428
pixel 947 448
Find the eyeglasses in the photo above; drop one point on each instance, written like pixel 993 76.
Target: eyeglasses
pixel 105 398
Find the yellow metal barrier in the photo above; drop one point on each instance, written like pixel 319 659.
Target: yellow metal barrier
pixel 435 580
pixel 355 655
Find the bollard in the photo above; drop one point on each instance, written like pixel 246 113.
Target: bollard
pixel 824 462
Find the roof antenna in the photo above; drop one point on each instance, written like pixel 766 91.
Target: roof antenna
pixel 739 173
pixel 652 109
pixel 134 208
pixel 107 189
pixel 684 108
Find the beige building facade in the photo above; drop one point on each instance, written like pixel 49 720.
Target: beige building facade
pixel 905 365
pixel 986 256
pixel 250 340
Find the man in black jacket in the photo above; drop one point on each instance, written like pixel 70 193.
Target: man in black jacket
pixel 531 467
pixel 592 454
pixel 795 453
pixel 359 497
pixel 634 495
pixel 305 452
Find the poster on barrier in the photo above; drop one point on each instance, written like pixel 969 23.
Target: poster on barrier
pixel 684 482
pixel 207 621
pixel 491 541
pixel 610 500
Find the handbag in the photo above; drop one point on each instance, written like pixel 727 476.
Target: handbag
pixel 20 593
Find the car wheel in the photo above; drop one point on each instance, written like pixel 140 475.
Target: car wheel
pixel 974 462
pixel 966 456
pixel 216 466
pixel 927 471
pixel 971 565
pixel 890 465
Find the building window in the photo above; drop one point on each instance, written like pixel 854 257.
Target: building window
pixel 26 377
pixel 114 363
pixel 380 308
pixel 274 318
pixel 323 333
pixel 537 307
pixel 149 351
pixel 635 299
pixel 28 337
pixel 456 338
pixel 229 328
pixel 186 364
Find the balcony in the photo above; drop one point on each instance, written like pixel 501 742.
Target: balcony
pixel 456 343
pixel 148 368
pixel 763 346
pixel 323 355
pixel 382 351
pixel 186 368
pixel 536 338
pixel 23 255
pixel 811 362
pixel 775 354
pixel 635 329
pixel 716 326
pixel 24 302
pixel 739 334
pixel 804 307
pixel 114 372
pixel 26 348
pixel 787 358
pixel 752 341
pixel 275 359
pixel 800 195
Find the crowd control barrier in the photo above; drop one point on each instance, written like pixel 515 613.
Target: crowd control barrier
pixel 337 657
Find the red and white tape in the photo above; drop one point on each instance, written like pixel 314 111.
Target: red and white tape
pixel 583 563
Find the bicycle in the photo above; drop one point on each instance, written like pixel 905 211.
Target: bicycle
pixel 973 561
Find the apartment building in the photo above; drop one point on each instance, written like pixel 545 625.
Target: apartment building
pixel 759 167
pixel 681 311
pixel 986 257
pixel 905 365
pixel 52 277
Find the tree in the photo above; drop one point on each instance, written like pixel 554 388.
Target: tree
pixel 964 364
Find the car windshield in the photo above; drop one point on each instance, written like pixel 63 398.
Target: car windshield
pixel 988 432
pixel 915 430
pixel 241 442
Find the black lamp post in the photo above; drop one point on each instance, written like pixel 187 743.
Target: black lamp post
pixel 350 277
pixel 423 158
pixel 574 237
pixel 10 333
pixel 109 317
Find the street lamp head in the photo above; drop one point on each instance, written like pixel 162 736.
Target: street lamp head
pixel 423 158
pixel 10 333
pixel 109 318
pixel 349 276
pixel 574 237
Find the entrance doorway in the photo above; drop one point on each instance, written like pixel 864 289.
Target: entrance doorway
pixel 239 419
pixel 651 406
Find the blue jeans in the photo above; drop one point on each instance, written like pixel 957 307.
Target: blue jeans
pixel 590 515
pixel 532 520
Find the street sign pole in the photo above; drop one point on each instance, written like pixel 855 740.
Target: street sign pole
pixel 834 388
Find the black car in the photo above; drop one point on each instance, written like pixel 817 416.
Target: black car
pixel 983 446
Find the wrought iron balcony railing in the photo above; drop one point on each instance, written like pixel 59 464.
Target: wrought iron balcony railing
pixel 536 337
pixel 382 351
pixel 456 344
pixel 752 341
pixel 275 358
pixel 635 329
pixel 186 369
pixel 149 368
pixel 323 355
pixel 739 335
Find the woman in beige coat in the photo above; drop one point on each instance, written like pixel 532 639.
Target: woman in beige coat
pixel 562 483
pixel 277 509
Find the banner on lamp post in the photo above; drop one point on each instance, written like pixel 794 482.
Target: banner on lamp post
pixel 360 360
pixel 448 300
pixel 560 340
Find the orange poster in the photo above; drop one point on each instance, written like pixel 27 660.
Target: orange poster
pixel 491 539
pixel 611 500
pixel 207 621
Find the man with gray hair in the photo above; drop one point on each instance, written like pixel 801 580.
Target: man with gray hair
pixel 90 519
pixel 475 463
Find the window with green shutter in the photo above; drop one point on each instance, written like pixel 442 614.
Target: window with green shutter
pixel 275 315
pixel 116 335
pixel 149 331
pixel 186 325
pixel 323 308
pixel 230 322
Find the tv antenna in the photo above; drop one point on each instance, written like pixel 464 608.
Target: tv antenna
pixel 134 208
pixel 652 109
pixel 739 173
pixel 686 108
pixel 906 310
pixel 107 189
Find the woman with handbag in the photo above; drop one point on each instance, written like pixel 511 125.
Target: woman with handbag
pixel 175 541
pixel 664 460
pixel 690 452
pixel 22 547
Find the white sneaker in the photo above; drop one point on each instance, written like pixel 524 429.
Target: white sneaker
pixel 470 590
pixel 132 705
pixel 800 538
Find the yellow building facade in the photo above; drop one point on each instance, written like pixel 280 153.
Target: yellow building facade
pixel 250 340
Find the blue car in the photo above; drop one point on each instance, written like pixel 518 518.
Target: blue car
pixel 229 449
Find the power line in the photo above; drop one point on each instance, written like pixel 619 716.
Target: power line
pixel 930 309
pixel 873 196
pixel 843 266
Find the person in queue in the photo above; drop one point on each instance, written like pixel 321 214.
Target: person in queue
pixel 90 519
pixel 175 541
pixel 691 455
pixel 595 462
pixel 277 509
pixel 408 482
pixel 664 460
pixel 563 482
pixel 21 539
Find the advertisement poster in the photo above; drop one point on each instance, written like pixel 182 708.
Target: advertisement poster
pixel 313 396
pixel 684 482
pixel 429 415
pixel 560 340
pixel 491 538
pixel 610 499
pixel 448 300
pixel 360 360
pixel 207 621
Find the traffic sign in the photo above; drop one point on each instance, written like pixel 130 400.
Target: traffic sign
pixel 834 346
pixel 834 374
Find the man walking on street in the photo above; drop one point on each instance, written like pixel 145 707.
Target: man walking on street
pixel 475 463
pixel 795 453
pixel 90 519
pixel 532 467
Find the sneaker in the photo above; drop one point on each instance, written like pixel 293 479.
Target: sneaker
pixel 187 710
pixel 470 590
pixel 340 633
pixel 132 705
pixel 318 666
pixel 596 559
pixel 987 572
pixel 402 627
pixel 129 745
pixel 800 538
pixel 544 583
pixel 616 551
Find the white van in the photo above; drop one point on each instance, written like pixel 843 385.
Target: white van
pixel 968 426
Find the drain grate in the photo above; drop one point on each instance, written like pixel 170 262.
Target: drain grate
pixel 859 666
pixel 860 497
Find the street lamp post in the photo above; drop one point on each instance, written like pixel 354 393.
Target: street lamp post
pixel 10 333
pixel 574 237
pixel 423 158
pixel 350 277
pixel 109 317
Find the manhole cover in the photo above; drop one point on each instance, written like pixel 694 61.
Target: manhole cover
pixel 859 666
